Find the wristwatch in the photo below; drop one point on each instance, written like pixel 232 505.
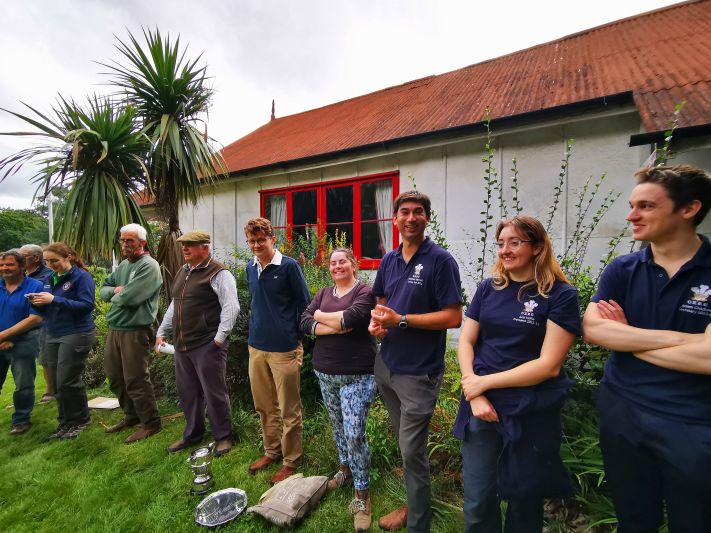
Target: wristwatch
pixel 403 322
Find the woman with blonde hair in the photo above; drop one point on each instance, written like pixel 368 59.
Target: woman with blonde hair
pixel 343 360
pixel 68 302
pixel 519 327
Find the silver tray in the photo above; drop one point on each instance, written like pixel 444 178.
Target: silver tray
pixel 220 507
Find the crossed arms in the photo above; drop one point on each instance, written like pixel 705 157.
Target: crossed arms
pixel 605 324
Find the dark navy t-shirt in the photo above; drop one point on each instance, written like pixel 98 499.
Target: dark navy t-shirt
pixel 511 332
pixel 652 300
pixel 429 282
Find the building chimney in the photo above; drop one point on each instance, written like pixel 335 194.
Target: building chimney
pixel 273 117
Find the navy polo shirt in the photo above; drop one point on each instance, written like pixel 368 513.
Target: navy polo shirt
pixel 511 332
pixel 14 307
pixel 42 273
pixel 652 300
pixel 429 282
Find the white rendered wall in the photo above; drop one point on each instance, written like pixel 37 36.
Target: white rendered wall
pixel 451 173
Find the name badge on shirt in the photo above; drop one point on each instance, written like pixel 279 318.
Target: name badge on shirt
pixel 698 301
pixel 527 315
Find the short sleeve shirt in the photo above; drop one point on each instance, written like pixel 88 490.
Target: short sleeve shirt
pixel 652 300
pixel 427 283
pixel 512 329
pixel 14 307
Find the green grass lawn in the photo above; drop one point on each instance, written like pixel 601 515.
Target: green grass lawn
pixel 98 484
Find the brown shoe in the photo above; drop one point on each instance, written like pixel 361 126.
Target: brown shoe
pixel 142 433
pixel 181 445
pixel 123 424
pixel 340 478
pixel 281 474
pixel 395 520
pixel 360 508
pixel 261 464
pixel 222 447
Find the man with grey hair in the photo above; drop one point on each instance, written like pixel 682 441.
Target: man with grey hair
pixel 133 290
pixel 36 269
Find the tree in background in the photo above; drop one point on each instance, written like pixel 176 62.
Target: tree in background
pixel 171 95
pixel 97 150
pixel 21 226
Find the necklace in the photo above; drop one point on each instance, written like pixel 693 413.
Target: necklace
pixel 335 289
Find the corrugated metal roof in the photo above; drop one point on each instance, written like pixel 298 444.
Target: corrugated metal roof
pixel 662 57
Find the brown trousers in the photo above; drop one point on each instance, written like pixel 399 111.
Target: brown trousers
pixel 126 360
pixel 276 382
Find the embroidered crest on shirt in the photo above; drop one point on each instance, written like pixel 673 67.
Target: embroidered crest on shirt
pixel 698 302
pixel 416 278
pixel 527 315
pixel 67 285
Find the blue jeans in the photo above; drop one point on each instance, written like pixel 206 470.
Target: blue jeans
pixel 348 399
pixel 481 448
pixel 21 359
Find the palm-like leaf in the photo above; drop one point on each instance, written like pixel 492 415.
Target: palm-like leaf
pixel 170 94
pixel 100 151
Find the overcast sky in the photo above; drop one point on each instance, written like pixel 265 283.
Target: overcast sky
pixel 302 53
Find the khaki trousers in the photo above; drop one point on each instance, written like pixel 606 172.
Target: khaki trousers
pixel 275 381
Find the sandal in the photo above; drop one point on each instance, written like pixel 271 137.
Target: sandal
pixel 46 398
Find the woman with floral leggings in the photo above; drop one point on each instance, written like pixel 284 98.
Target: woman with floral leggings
pixel 343 360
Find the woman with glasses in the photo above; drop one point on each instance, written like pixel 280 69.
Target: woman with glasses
pixel 519 327
pixel 68 301
pixel 343 359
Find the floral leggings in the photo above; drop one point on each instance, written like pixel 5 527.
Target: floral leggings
pixel 348 400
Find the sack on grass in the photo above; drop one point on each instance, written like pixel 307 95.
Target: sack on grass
pixel 291 500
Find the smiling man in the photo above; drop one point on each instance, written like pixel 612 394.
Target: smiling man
pixel 199 318
pixel 652 309
pixel 133 290
pixel 418 290
pixel 19 336
pixel 279 296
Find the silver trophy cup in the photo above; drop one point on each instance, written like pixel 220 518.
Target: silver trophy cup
pixel 200 463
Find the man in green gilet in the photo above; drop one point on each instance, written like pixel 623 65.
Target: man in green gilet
pixel 133 290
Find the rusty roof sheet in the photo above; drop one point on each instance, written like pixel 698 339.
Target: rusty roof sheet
pixel 661 57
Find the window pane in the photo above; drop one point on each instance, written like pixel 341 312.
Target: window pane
pixel 342 229
pixel 304 207
pixel 370 242
pixel 376 200
pixel 339 204
pixel 275 209
pixel 367 201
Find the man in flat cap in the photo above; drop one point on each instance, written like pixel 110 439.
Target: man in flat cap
pixel 133 290
pixel 199 319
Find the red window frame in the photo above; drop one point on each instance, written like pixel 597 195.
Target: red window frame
pixel 320 188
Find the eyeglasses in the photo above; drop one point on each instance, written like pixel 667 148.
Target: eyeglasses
pixel 255 242
pixel 513 244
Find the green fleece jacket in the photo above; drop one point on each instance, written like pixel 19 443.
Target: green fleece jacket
pixel 136 305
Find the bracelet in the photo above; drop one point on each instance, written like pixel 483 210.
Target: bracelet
pixel 313 328
pixel 343 323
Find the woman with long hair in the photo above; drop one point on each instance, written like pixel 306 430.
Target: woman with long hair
pixel 343 360
pixel 68 302
pixel 519 327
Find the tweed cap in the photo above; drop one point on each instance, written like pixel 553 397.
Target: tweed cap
pixel 195 236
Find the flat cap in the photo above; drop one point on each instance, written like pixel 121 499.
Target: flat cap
pixel 195 236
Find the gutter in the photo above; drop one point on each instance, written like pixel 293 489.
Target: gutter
pixel 679 133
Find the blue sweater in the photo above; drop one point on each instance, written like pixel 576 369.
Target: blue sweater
pixel 71 310
pixel 279 296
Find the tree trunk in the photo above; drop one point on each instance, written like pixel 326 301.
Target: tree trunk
pixel 170 256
